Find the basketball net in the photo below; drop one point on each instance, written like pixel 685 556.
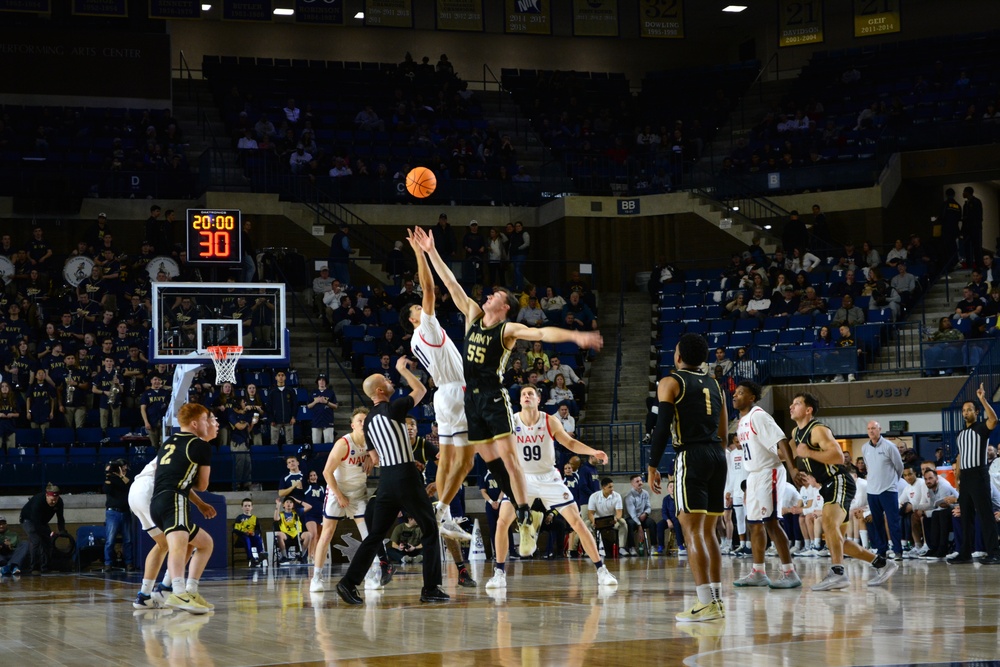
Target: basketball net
pixel 225 358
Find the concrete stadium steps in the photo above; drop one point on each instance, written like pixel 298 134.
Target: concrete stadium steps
pixel 633 386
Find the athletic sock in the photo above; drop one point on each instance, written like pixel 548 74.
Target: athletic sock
pixel 167 581
pixel 460 566
pixel 788 567
pixel 178 586
pixel 759 567
pixel 147 586
pixel 864 538
pixel 445 512
pixel 500 566
pixel 599 564
pixel 192 585
pixel 879 562
pixel 716 588
pixel 704 593
pixel 837 569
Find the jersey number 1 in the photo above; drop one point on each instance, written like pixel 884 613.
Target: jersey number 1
pixel 708 401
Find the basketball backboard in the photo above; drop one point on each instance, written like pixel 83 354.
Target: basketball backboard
pixel 190 317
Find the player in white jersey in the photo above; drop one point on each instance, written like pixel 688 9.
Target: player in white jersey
pixel 438 354
pixel 763 445
pixel 735 478
pixel 139 496
pixel 346 475
pixel 536 433
pixel 860 514
pixel 914 501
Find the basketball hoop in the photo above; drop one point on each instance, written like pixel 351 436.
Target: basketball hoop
pixel 225 358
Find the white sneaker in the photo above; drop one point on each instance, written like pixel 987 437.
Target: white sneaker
pixel 884 573
pixel 832 582
pixel 373 580
pixel 850 377
pixel 838 378
pixel 823 553
pixel 447 526
pixel 605 578
pixel 682 552
pixel 952 556
pixel 979 554
pixel 726 549
pixel 499 580
pixel 922 550
pixel 316 585
pixel 771 551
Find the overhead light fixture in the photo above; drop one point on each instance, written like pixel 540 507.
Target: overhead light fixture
pixel 736 208
pixel 282 11
pixel 734 9
pixel 767 226
pixel 206 8
pixel 360 16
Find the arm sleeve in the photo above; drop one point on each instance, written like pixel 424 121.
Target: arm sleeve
pixel 661 433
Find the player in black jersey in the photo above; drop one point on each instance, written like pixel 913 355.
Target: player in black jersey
pixel 818 454
pixel 692 402
pixel 489 339
pixel 184 463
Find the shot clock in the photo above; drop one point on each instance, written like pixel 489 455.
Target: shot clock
pixel 214 237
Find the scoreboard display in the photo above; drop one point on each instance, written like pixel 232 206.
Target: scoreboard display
pixel 214 237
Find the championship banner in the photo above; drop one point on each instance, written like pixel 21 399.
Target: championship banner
pixel 246 10
pixel 595 18
pixel 389 13
pixel 327 12
pixel 99 8
pixel 876 17
pixel 175 9
pixel 40 6
pixel 661 19
pixel 800 22
pixel 528 17
pixel 464 15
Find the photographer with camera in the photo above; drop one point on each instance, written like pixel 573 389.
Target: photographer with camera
pixel 405 542
pixel 117 516
pixel 35 517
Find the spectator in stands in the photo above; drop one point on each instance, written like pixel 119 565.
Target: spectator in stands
pixel 321 410
pixel 972 226
pixel 802 260
pixel 755 275
pixel 281 408
pixel 560 394
pixel 785 306
pixel 247 142
pixel 850 287
pixel 532 315
pixel 42 401
pixel 870 256
pixel 340 168
pixel 949 219
pixel 846 344
pixel 515 377
pixel 811 303
pixel 722 360
pixel 991 275
pixel 850 259
pixel 992 307
pixel 737 307
pixel 566 419
pixel 897 255
pixel 552 304
pixel 580 311
pixel 946 355
pixel 795 234
pixel 970 307
pixel 265 128
pixel 905 284
pixel 978 286
pixel 298 161
pixel 321 285
pixel 340 254
pixel 475 254
pixel 39 251
pixel 848 314
pixel 520 242
pixel 367 119
pixel 638 516
pixel 573 381
pixel 759 306
pixel 882 293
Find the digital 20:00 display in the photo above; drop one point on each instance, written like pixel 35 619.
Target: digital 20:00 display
pixel 214 237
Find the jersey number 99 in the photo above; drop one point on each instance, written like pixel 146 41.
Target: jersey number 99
pixel 532 452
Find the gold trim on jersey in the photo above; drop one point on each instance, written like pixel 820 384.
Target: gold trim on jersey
pixel 806 433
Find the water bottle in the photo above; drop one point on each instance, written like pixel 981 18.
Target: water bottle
pixel 90 540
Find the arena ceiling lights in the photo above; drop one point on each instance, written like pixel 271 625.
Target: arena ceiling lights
pixel 734 9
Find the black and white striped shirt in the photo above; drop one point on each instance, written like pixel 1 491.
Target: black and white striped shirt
pixel 385 431
pixel 972 443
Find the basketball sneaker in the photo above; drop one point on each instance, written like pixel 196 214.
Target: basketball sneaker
pixel 498 580
pixel 465 579
pixel 186 603
pixel 143 601
pixel 754 578
pixel 884 573
pixel 786 580
pixel 387 571
pixel 605 578
pixel 832 582
pixel 702 612
pixel 373 580
pixel 202 601
pixel 528 531
pixel 743 552
pixel 316 584
pixel 447 526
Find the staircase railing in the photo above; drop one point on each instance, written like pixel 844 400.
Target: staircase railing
pixel 618 347
pixel 357 398
pixel 984 373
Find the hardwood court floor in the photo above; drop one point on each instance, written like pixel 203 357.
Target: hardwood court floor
pixel 552 614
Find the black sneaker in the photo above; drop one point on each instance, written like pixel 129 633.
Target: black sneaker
pixel 387 571
pixel 465 579
pixel 574 554
pixel 430 594
pixel 348 592
pixel 993 559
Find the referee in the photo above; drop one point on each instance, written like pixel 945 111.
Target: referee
pixel 400 485
pixel 972 473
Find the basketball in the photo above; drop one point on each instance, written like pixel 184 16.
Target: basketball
pixel 420 182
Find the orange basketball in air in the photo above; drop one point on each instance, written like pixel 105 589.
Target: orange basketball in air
pixel 420 182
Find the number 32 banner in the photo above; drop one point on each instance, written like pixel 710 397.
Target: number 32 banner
pixel 661 19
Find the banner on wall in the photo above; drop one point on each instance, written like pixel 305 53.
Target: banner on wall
pixel 99 8
pixel 800 22
pixel 246 10
pixel 876 17
pixel 595 18
pixel 464 15
pixel 87 63
pixel 326 12
pixel 389 13
pixel 661 19
pixel 40 6
pixel 175 9
pixel 528 17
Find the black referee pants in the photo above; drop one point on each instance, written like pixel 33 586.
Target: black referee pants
pixel 974 501
pixel 400 487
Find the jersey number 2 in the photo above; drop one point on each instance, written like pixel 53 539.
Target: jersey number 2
pixel 169 452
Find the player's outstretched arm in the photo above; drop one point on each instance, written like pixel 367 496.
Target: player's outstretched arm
pixel 560 435
pixel 589 340
pixel 425 241
pixel 424 275
pixel 417 388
